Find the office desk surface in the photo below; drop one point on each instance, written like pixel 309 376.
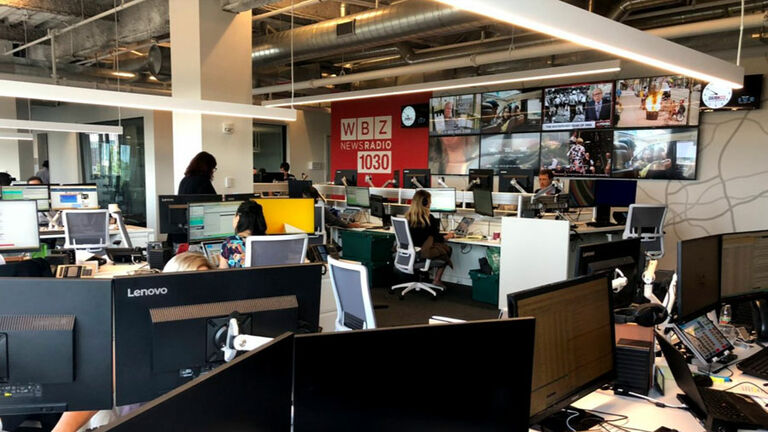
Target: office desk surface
pixel 476 242
pixel 109 271
pixel 46 234
pixel 583 228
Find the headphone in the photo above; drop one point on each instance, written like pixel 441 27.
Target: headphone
pixel 424 201
pixel 646 315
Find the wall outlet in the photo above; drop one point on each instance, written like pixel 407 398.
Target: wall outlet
pixel 228 128
pixel 229 182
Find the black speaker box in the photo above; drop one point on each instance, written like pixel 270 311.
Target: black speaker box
pixel 634 366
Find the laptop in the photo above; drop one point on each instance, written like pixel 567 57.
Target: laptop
pixel 462 229
pixel 713 407
pixel 212 251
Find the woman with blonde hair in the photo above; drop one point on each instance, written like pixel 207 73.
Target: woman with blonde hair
pixel 187 261
pixel 425 232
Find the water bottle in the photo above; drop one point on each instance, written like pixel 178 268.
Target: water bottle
pixel 725 315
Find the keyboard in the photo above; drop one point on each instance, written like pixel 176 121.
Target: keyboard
pixel 756 364
pixel 719 405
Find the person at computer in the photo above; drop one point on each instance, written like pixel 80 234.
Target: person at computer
pixel 546 176
pixel 198 176
pixel 330 218
pixel 34 180
pixel 285 170
pixel 248 221
pixel 425 232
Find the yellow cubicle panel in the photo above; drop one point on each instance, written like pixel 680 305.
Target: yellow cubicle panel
pixel 297 212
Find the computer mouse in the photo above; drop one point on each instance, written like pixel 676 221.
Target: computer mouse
pixel 702 381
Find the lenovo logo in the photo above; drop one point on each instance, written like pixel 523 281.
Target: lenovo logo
pixel 147 292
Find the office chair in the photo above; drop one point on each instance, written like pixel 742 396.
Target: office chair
pixel 646 222
pixel 408 260
pixel 86 229
pixel 354 310
pixel 320 232
pixel 271 250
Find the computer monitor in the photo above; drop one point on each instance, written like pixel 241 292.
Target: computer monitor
pixel 272 250
pixel 350 176
pixel 744 264
pixel 173 211
pixel 358 196
pixel 168 327
pixel 523 177
pixel 251 393
pixel 698 277
pixel 18 226
pixel 483 200
pixel 422 176
pixel 38 193
pixel 56 345
pixel 574 353
pixel 74 197
pixel 481 179
pixel 581 193
pixel 211 221
pixel 625 255
pixel 296 188
pixel 612 193
pixel 86 229
pixel 378 210
pixel 485 386
pixel 443 200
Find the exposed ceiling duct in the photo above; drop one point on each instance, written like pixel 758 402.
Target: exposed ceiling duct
pixel 625 7
pixel 385 25
pixel 237 6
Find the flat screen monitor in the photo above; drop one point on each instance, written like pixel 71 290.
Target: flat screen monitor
pixel 661 101
pixel 18 226
pixel 56 345
pixel 350 176
pixel 581 193
pixel 454 115
pixel 615 193
pixel 505 151
pixel 625 255
pixel 168 327
pixel 508 111
pixel 377 206
pixel 37 193
pixel 481 179
pixel 574 352
pixel 211 221
pixel 578 106
pixel 717 98
pixel 443 200
pixel 483 200
pixel 577 153
pixel 523 177
pixel 86 229
pixel 296 188
pixel 74 197
pixel 422 179
pixel 667 154
pixel 698 277
pixel 358 196
pixel 173 211
pixel 251 393
pixel 744 264
pixel 272 250
pixel 475 391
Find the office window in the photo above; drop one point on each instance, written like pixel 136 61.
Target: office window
pixel 115 163
pixel 268 146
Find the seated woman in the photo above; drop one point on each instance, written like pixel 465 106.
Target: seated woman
pixel 249 220
pixel 425 232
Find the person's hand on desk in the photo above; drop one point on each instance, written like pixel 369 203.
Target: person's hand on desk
pixel 449 235
pixel 354 225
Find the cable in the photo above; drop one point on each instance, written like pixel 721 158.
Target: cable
pixel 747 383
pixel 568 420
pixel 657 402
pixel 741 35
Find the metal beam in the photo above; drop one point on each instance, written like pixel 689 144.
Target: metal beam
pixel 237 6
pixel 56 7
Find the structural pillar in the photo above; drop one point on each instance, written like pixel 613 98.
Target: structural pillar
pixel 211 60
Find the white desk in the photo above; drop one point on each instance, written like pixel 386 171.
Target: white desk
pixel 140 236
pixel 109 271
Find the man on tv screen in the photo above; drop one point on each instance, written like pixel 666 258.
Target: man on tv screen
pixel 597 108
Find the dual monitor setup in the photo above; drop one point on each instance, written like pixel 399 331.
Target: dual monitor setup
pixel 54 197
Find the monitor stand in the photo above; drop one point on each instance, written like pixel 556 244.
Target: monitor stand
pixel 602 217
pixel 569 419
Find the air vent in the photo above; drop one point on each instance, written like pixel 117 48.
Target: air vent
pixel 345 28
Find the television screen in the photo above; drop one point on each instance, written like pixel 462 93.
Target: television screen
pixel 649 102
pixel 454 154
pixel 577 153
pixel 454 115
pixel 715 98
pixel 655 153
pixel 581 106
pixel 507 151
pixel 510 111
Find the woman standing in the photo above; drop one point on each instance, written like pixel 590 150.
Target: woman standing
pixel 425 231
pixel 198 176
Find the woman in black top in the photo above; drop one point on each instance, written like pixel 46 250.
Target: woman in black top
pixel 425 232
pixel 198 176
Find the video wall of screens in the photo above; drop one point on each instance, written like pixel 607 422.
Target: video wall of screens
pixel 510 111
pixel 642 128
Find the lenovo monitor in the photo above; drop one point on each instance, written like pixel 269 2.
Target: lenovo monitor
pixel 698 277
pixel 18 226
pixel 37 193
pixel 523 177
pixel 74 197
pixel 481 179
pixel 416 179
pixel 173 211
pixel 211 221
pixel 625 255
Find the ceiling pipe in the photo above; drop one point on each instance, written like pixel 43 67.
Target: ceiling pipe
pixel 685 30
pixel 624 8
pixel 286 9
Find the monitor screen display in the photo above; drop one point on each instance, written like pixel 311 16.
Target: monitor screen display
pixel 577 153
pixel 454 115
pixel 38 193
pixel 744 264
pixel 454 154
pixel 500 152
pixel 615 193
pixel 581 106
pixel 510 111
pixel 669 154
pixel 653 102
pixel 74 197
pixel 443 200
pixel 698 276
pixel 358 197
pixel 211 221
pixel 18 226
pixel 581 193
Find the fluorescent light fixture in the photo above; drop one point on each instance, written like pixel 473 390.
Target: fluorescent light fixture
pixel 570 23
pixel 124 74
pixel 49 92
pixel 58 127
pixel 16 136
pixel 605 67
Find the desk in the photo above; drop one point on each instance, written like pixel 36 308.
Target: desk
pixel 110 271
pixel 140 236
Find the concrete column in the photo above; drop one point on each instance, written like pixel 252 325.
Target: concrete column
pixel 211 60
pixel 9 149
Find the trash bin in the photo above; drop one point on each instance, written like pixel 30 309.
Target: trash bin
pixel 485 287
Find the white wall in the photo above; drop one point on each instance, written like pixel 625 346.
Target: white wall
pixel 9 149
pixel 64 158
pixel 307 142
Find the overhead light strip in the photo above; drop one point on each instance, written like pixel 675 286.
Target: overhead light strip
pixel 57 93
pixel 16 136
pixel 570 23
pixel 597 68
pixel 45 126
